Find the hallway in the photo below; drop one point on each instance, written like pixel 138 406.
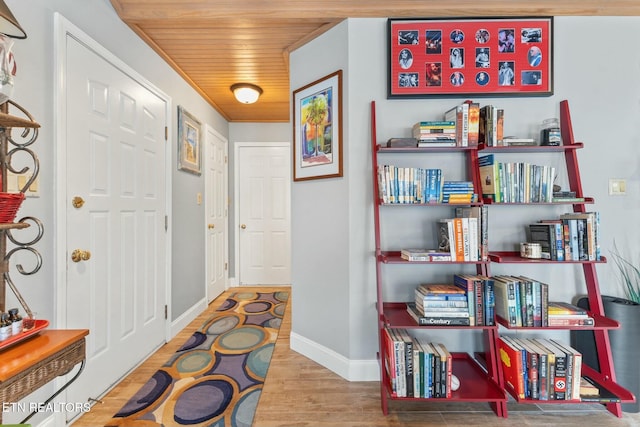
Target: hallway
pixel 299 392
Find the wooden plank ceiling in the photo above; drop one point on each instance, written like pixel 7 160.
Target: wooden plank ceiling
pixel 216 43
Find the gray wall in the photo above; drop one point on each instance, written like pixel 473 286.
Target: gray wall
pixel 334 300
pixel 320 214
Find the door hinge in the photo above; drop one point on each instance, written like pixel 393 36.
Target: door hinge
pixel 166 222
pixel 166 312
pixel 226 266
pixel 225 160
pixel 166 133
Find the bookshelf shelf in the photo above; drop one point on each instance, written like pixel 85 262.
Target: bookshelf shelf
pixel 601 322
pixel 393 257
pixel 586 201
pixel 474 384
pixel 395 315
pixel 531 148
pixel 508 257
pixel 380 148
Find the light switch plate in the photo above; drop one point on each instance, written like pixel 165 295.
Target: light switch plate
pixel 617 187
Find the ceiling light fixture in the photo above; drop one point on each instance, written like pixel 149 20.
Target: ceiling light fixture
pixel 8 24
pixel 246 92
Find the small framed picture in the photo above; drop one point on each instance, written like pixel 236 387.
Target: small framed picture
pixel 317 128
pixel 435 57
pixel 189 142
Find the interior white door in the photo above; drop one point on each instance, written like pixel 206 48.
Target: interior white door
pixel 115 163
pixel 216 196
pixel 264 214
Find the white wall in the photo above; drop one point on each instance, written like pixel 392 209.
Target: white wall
pixel 594 73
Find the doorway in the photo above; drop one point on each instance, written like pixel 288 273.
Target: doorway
pixel 263 213
pixel 216 208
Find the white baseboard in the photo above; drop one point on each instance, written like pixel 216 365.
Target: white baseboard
pixel 351 370
pixel 187 317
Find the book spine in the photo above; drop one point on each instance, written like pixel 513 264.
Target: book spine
pixel 490 301
pixel 474 124
pixel 459 239
pixel 443 321
pixel 466 284
pixel 465 125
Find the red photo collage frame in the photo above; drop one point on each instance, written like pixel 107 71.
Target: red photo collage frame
pixel 480 57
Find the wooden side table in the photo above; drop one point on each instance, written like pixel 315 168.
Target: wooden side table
pixel 28 365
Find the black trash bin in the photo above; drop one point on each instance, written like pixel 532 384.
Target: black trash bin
pixel 625 344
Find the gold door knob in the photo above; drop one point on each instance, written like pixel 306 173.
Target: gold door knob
pixel 243 226
pixel 211 226
pixel 80 255
pixel 77 202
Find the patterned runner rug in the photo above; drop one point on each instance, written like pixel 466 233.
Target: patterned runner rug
pixel 216 377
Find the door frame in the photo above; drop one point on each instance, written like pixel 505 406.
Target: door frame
pixel 63 29
pixel 211 129
pixel 236 194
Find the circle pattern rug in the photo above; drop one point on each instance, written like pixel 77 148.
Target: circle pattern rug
pixel 216 377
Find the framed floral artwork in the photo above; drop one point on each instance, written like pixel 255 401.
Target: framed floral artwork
pixel 317 129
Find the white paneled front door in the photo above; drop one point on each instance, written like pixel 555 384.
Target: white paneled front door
pixel 216 202
pixel 264 213
pixel 114 130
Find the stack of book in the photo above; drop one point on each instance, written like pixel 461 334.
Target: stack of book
pixel 440 305
pixel 424 255
pixel 565 314
pixel 458 192
pixel 435 133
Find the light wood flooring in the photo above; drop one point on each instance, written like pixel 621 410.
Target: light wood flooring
pixel 300 393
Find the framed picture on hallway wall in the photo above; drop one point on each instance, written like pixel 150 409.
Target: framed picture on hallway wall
pixel 317 129
pixel 470 57
pixel 189 142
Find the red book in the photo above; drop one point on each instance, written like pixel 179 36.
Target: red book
pixel 511 362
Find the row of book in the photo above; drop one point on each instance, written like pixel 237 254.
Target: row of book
pixel 466 117
pixel 418 185
pixel 468 301
pixel 541 369
pixel 477 124
pixel 573 236
pixel 416 368
pixel 524 302
pixel 516 182
pixel 466 236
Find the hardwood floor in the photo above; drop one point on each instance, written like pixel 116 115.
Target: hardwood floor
pixel 300 393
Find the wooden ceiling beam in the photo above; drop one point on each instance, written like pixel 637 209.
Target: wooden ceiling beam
pixel 196 10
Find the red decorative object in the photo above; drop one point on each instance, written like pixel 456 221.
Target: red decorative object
pixel 40 325
pixel 9 205
pixel 470 57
